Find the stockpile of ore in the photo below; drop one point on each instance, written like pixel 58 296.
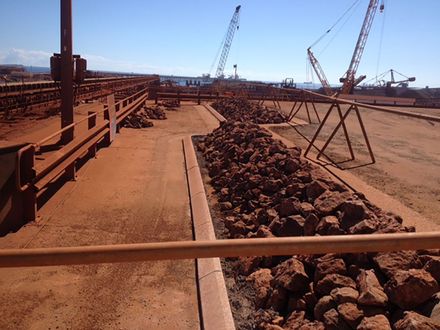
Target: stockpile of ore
pixel 140 117
pixel 266 189
pixel 155 112
pixel 170 104
pixel 137 119
pixel 243 110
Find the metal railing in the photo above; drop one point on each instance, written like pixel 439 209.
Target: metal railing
pixel 218 248
pixel 33 175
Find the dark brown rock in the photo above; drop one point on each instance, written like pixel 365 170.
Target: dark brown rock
pixel 226 206
pixel 296 303
pixel 272 186
pixel 248 265
pixel 353 211
pixel 374 310
pixel 377 322
pixel 291 275
pixel 310 300
pixel 371 292
pixel 415 321
pixel 351 314
pixel 295 320
pixel 432 266
pixel 310 224
pixel 306 208
pixel 344 295
pixel 238 228
pixel 291 166
pixel 333 281
pixel 267 317
pixel 314 189
pixel 261 283
pixel 330 201
pixel 410 288
pixel 292 226
pixel 315 325
pixel 264 232
pixel 329 225
pixel 295 189
pixel 333 321
pixel 278 299
pixel 366 226
pixel 323 305
pixel 330 266
pixel 390 262
pixel 265 326
pixel 288 206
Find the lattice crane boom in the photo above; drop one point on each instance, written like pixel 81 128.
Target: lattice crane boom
pixel 319 72
pixel 233 26
pixel 349 80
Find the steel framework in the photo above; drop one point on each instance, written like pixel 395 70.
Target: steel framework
pixel 233 26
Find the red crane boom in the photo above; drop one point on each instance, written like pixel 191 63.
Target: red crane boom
pixel 349 80
pixel 319 72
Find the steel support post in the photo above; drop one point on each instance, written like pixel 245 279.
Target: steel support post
pixel 66 71
pixel 312 141
pixel 92 123
pixel 335 130
pixel 27 174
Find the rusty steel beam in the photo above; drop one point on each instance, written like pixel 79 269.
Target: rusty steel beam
pixel 66 71
pixel 219 248
pixel 331 99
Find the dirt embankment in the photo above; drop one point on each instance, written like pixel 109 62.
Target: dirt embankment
pixel 265 189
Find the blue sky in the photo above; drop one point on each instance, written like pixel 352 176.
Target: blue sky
pixel 182 37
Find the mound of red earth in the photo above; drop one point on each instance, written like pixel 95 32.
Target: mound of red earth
pixel 239 109
pixel 266 189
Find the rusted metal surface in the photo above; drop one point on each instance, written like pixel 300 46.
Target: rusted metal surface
pixel 220 248
pixel 20 99
pixel 66 71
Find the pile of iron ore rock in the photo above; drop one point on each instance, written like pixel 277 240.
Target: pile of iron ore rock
pixel 155 112
pixel 170 104
pixel 266 189
pixel 137 119
pixel 244 110
pixel 140 117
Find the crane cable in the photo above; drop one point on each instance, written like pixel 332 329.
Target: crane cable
pixel 381 40
pixel 334 24
pixel 339 30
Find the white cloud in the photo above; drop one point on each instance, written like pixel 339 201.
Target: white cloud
pixel 25 57
pixel 94 62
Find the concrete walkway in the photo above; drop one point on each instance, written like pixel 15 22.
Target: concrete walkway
pixel 135 191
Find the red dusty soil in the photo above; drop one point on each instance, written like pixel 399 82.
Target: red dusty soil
pixel 135 191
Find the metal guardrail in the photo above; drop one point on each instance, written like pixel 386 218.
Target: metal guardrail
pixel 32 178
pixel 218 248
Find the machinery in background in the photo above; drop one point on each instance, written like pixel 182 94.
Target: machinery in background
pixel 225 46
pixel 319 72
pixel 381 82
pixel 349 80
pixel 288 83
